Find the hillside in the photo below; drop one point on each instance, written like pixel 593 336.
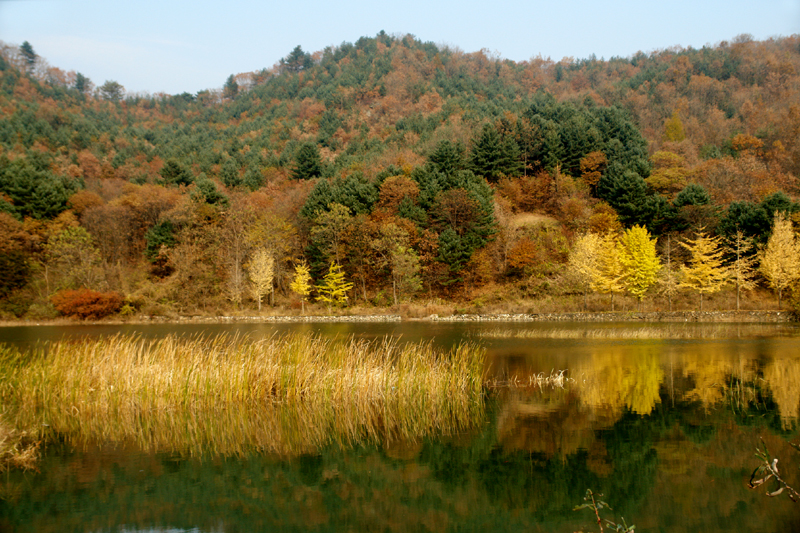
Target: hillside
pixel 410 165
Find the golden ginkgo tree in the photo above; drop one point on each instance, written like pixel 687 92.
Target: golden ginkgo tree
pixel 780 260
pixel 639 261
pixel 301 284
pixel 743 264
pixel 610 272
pixel 334 287
pixel 706 272
pixel 584 261
pixel 261 270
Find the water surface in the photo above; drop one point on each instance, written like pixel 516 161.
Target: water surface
pixel 664 422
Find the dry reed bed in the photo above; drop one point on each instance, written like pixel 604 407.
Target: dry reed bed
pixel 285 395
pixel 557 379
pixel 666 332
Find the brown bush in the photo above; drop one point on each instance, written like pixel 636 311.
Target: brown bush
pixel 86 303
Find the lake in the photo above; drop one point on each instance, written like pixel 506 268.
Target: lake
pixel 663 420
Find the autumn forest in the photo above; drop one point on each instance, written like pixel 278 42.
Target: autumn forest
pixel 395 173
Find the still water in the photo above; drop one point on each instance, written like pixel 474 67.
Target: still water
pixel 663 420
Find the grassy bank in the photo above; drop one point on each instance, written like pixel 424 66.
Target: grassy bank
pixel 286 395
pixel 675 331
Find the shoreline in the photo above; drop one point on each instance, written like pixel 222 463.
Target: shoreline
pixel 621 316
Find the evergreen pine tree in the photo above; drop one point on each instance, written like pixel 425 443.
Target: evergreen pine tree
pixel 308 163
pixel 28 54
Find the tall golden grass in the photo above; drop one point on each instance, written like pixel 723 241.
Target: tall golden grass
pixel 665 331
pixel 231 395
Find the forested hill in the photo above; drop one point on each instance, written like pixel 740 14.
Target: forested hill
pixel 442 144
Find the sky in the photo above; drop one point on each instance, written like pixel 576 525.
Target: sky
pixel 176 46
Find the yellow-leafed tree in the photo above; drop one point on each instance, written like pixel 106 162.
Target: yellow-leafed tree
pixel 743 266
pixel 640 264
pixel 334 287
pixel 706 273
pixel 668 280
pixel 780 261
pixel 584 261
pixel 609 268
pixel 301 284
pixel 261 270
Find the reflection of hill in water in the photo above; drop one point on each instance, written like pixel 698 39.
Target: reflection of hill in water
pixel 612 373
pixel 680 466
pixel 666 430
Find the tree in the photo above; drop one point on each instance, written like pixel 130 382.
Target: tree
pixel 640 264
pixel 111 91
pixel 405 270
pixel 72 259
pixel 206 191
pixel 706 272
pixel 668 280
pixel 584 261
pixel 28 55
pixel 175 174
pixel 669 174
pixel 158 238
pixel 592 167
pixel 673 129
pixel 32 188
pixel 447 157
pixel 493 157
pixel 308 163
pixel 780 262
pixel 609 268
pixel 261 269
pixel 329 230
pixel 742 268
pixel 301 284
pixel 83 84
pixel 231 88
pixel 333 289
pixel 229 173
pixel 393 251
pixel 626 192
pixel 297 60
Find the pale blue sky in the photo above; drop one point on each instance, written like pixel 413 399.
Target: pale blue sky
pixel 174 46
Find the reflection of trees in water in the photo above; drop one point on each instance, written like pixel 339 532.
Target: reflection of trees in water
pixel 491 479
pixel 621 377
pixel 782 375
pixel 748 378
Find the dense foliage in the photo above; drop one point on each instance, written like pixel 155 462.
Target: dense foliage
pixel 435 156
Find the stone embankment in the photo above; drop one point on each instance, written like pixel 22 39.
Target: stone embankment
pixel 276 319
pixel 659 316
